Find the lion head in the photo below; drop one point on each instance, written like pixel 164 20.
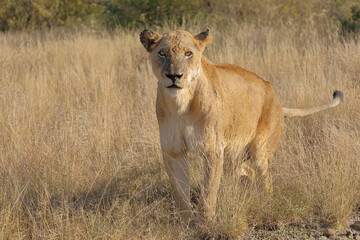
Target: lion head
pixel 175 57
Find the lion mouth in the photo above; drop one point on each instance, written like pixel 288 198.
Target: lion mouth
pixel 174 86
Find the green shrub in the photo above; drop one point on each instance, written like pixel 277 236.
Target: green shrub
pixel 148 12
pixel 20 14
pixel 351 24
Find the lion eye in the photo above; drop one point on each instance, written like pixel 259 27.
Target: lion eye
pixel 188 53
pixel 162 53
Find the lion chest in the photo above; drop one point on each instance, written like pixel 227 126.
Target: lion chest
pixel 180 133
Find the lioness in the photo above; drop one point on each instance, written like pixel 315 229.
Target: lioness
pixel 211 108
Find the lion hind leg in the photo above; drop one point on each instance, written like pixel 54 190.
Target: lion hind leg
pixel 262 148
pixel 260 156
pixel 246 170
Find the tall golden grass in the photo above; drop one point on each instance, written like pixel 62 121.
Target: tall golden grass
pixel 79 144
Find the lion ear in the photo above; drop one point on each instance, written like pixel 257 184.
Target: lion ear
pixel 203 35
pixel 203 39
pixel 149 38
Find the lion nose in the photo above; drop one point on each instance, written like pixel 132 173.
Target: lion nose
pixel 173 77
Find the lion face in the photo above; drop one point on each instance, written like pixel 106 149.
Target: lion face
pixel 175 57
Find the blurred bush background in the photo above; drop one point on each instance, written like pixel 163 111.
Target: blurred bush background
pixel 40 14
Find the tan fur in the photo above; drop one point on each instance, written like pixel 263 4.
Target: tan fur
pixel 212 109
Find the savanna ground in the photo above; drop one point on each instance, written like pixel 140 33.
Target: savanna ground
pixel 79 143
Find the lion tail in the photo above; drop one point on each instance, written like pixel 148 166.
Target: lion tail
pixel 298 112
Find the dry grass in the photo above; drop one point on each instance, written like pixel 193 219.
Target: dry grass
pixel 79 147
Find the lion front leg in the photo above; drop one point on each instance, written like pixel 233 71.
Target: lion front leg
pixel 177 169
pixel 213 169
